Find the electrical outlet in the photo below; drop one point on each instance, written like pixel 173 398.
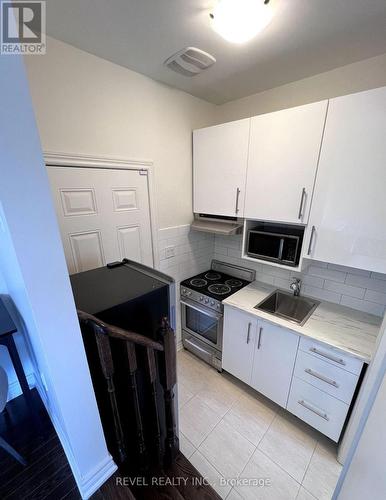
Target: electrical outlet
pixel 170 252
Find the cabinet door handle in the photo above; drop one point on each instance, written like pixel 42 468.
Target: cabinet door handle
pixel 328 356
pixel 300 215
pixel 311 239
pixel 259 339
pixel 249 332
pixel 237 200
pixel 312 408
pixel 321 377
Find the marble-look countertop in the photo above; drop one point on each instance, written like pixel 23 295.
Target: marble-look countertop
pixel 340 327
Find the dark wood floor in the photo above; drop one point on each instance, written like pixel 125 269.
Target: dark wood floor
pixel 48 474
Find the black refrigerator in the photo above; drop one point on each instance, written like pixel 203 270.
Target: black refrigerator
pixel 133 297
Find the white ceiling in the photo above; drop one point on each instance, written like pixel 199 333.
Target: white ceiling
pixel 306 37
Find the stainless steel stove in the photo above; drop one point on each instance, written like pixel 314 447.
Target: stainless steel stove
pixel 202 308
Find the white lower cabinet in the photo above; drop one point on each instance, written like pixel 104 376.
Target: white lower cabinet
pixel 335 358
pixel 317 408
pixel 273 364
pixel 238 343
pixel 260 354
pixel 323 386
pixel 313 381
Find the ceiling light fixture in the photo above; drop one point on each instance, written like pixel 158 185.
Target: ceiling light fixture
pixel 240 20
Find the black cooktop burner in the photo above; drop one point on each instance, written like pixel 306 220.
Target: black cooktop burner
pixel 233 283
pixel 212 276
pixel 198 282
pixel 219 289
pixel 207 284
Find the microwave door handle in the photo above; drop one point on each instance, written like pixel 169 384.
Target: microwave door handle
pixel 281 249
pixel 199 309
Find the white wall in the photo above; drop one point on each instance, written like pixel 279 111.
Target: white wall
pixel 87 105
pixel 363 75
pixel 34 270
pixel 3 286
pixel 364 474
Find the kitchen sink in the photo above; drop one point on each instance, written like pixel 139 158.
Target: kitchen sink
pixel 288 306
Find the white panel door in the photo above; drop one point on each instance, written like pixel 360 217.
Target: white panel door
pixel 220 156
pixel 103 216
pixel 283 158
pixel 349 207
pixel 238 343
pixel 274 361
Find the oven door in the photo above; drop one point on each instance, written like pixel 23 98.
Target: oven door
pixel 202 323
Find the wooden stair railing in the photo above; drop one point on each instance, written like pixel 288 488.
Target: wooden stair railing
pixel 165 348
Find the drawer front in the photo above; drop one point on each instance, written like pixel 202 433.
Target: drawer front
pixel 325 376
pixel 317 408
pixel 336 358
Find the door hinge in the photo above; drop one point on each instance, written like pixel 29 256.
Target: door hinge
pixel 143 172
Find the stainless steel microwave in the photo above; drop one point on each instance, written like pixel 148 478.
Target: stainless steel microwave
pixel 275 243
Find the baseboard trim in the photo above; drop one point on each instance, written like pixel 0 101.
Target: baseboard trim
pixel 92 481
pixel 14 389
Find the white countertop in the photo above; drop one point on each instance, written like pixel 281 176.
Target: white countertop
pixel 345 329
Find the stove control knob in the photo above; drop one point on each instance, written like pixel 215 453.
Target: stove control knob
pixel 206 301
pixel 183 291
pixel 212 302
pixel 189 294
pixel 201 298
pixel 218 306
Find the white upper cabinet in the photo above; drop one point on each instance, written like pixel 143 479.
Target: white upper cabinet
pixel 274 361
pixel 283 158
pixel 220 156
pixel 348 217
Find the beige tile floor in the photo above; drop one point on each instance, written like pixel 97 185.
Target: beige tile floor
pixel 227 430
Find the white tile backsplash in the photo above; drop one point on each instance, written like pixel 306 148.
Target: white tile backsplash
pixel 356 288
pixel 379 298
pixel 327 273
pixel 193 253
pixel 365 282
pixel 344 289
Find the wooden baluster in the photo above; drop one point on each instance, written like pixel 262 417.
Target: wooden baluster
pixel 169 380
pixel 151 363
pixel 132 361
pixel 106 360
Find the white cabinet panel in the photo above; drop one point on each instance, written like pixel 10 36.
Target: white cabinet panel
pixel 349 210
pixel 338 383
pixel 283 157
pixel 273 364
pixel 220 156
pixel 238 343
pixel 317 408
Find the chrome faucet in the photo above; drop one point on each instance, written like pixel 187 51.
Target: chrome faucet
pixel 295 286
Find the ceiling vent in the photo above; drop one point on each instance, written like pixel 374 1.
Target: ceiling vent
pixel 190 61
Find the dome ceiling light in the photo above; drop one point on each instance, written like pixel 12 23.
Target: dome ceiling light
pixel 238 21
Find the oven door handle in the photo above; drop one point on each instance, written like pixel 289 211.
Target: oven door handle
pixel 199 309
